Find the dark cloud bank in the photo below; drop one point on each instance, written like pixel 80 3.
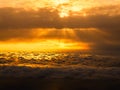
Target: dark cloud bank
pixel 46 18
pixel 17 23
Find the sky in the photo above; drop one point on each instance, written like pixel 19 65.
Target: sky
pixel 59 24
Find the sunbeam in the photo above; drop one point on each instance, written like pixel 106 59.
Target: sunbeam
pixel 46 40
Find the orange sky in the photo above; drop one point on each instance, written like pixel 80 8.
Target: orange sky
pixel 41 40
pixel 59 24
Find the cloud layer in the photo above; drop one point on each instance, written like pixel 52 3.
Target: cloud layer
pixel 100 28
pixel 48 18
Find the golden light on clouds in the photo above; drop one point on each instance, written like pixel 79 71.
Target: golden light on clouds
pixel 59 2
pixel 64 7
pixel 63 14
pixel 57 24
pixel 50 45
pixel 43 40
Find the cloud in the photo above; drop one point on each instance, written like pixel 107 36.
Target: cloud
pixel 13 34
pixel 12 18
pixel 20 24
pixel 97 39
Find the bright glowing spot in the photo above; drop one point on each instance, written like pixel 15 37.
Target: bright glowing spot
pixel 75 8
pixel 63 7
pixel 58 2
pixel 63 14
